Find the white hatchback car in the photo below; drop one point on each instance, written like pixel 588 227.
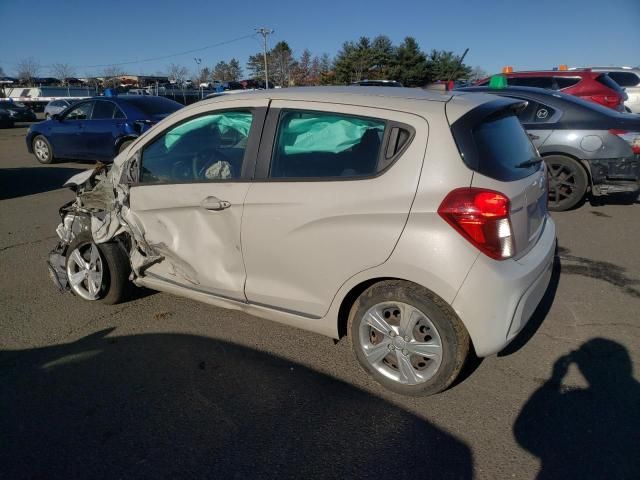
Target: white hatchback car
pixel 413 222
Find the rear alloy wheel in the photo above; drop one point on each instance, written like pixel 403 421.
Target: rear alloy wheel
pixel 567 182
pixel 408 339
pixel 97 272
pixel 42 149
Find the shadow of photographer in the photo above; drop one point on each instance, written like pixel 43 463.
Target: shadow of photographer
pixel 591 432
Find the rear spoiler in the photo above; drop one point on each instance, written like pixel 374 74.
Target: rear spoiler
pixel 462 128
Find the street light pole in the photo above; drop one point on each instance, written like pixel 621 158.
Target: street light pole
pixel 198 62
pixel 265 32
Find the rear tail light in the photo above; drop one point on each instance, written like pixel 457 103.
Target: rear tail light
pixel 632 138
pixel 611 101
pixel 482 217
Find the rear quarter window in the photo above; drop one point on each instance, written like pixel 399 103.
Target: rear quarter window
pixel 625 79
pixel 607 82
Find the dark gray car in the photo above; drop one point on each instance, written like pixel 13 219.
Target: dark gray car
pixel 586 147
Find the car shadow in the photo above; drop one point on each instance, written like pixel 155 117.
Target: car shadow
pixel 585 432
pixel 18 182
pixel 185 406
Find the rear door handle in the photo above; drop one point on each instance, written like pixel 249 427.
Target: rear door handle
pixel 214 203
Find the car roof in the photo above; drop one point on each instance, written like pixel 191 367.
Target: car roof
pixel 550 73
pixel 415 100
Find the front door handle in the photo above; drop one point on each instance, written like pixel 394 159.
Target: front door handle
pixel 533 136
pixel 214 203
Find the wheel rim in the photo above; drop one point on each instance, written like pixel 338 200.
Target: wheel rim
pixel 41 149
pixel 85 272
pixel 563 185
pixel 400 342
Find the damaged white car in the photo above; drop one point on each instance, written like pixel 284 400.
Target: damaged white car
pixel 415 223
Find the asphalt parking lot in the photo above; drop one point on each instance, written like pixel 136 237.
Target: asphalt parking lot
pixel 163 387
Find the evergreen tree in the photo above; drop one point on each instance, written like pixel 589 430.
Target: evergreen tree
pixel 234 70
pixel 411 67
pixel 445 65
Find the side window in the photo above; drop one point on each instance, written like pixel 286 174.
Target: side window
pixel 208 147
pixel 81 112
pixel 543 113
pixel 539 82
pixel 566 82
pixel 325 145
pixel 625 79
pixel 102 110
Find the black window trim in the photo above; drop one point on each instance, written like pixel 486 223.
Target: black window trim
pixel 270 135
pixel 250 152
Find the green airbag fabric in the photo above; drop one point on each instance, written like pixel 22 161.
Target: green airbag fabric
pixel 306 133
pixel 240 121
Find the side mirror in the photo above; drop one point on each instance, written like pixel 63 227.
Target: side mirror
pixel 56 116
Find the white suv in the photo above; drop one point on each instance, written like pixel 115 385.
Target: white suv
pixel 413 222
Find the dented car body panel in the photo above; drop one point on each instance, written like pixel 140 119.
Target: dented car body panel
pixel 217 225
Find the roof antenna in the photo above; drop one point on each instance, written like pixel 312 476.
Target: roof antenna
pixel 455 69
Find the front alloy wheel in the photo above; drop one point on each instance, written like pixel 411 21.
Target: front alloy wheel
pixel 85 271
pixel 42 150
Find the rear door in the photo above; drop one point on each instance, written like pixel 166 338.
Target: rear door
pixel 101 131
pixel 332 194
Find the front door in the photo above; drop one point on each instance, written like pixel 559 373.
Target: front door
pixel 67 133
pixel 189 201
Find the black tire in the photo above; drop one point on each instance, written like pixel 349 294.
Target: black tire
pixel 124 145
pixel 46 157
pixel 455 341
pixel 116 286
pixel 568 182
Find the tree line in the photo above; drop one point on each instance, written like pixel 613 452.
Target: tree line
pixel 367 58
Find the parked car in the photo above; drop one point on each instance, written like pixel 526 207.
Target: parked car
pixel 415 223
pixel 55 107
pixel 18 112
pixel 5 119
pixel 586 147
pixel 377 83
pixel 587 84
pixel 97 128
pixel 629 79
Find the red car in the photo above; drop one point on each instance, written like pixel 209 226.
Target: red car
pixel 594 86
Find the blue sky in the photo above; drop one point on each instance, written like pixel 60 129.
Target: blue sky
pixel 526 34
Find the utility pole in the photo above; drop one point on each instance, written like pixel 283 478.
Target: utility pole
pixel 198 62
pixel 265 32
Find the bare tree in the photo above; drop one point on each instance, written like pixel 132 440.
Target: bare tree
pixel 177 73
pixel 62 71
pixel 28 69
pixel 112 76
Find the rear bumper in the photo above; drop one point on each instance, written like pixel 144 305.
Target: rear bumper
pixel 613 175
pixel 497 298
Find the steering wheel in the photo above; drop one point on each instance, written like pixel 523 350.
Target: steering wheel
pixel 204 159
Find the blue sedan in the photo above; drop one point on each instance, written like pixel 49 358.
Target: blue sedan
pixel 97 128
